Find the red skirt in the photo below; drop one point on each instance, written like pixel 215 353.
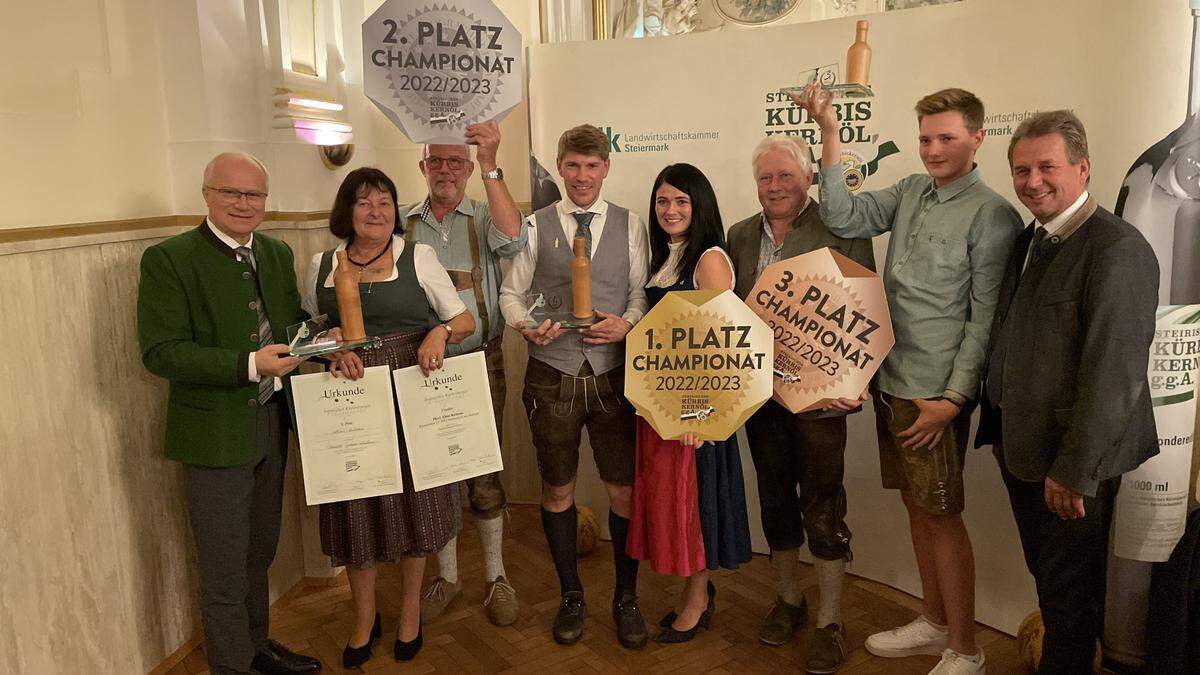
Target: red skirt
pixel 664 526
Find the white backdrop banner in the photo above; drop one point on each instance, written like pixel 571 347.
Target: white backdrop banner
pixel 709 98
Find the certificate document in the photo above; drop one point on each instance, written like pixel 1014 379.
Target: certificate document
pixel 448 423
pixel 347 433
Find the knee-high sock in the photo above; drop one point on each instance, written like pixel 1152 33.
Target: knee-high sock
pixel 830 575
pixel 626 567
pixel 787 566
pixel 447 559
pixel 561 531
pixel 491 535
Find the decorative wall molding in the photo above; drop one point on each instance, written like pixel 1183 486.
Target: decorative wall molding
pixel 50 237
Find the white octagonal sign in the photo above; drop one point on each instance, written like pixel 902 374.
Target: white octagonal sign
pixel 435 68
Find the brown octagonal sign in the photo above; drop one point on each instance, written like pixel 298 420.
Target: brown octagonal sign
pixel 700 361
pixel 830 320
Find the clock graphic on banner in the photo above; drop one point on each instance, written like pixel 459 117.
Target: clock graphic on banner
pixel 755 12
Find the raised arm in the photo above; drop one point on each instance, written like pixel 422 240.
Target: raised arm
pixel 507 237
pixel 847 215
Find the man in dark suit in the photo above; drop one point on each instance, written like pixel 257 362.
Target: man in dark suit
pixel 1067 404
pixel 799 459
pixel 210 305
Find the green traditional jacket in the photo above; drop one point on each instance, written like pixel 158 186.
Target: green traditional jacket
pixel 197 325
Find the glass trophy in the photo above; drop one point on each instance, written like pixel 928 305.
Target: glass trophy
pixel 315 337
pixel 554 308
pixel 827 76
pixel 858 71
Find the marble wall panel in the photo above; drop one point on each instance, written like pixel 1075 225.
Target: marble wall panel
pixel 97 567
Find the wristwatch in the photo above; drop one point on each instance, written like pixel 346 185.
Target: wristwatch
pixel 449 330
pixel 494 174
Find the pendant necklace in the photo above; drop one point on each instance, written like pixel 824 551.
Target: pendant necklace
pixel 363 266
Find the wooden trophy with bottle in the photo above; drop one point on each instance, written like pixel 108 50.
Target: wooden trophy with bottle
pixel 349 302
pixel 314 338
pixel 581 283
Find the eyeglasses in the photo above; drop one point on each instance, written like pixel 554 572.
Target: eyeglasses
pixel 231 196
pixel 452 163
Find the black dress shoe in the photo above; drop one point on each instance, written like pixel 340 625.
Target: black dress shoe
pixel 669 617
pixel 568 623
pixel 631 627
pixel 353 657
pixel 275 659
pixel 672 635
pixel 407 651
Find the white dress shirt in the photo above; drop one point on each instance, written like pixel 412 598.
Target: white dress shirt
pixel 1056 223
pixel 520 277
pixel 431 276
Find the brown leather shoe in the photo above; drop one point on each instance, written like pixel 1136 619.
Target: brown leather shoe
pixel 782 622
pixel 436 598
pixel 501 602
pixel 826 650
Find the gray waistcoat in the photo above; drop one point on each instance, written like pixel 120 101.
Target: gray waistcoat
pixel 610 287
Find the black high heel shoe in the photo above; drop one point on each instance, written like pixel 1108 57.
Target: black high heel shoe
pixel 407 651
pixel 353 657
pixel 671 635
pixel 669 617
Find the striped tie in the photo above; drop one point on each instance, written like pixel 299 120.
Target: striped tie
pixel 266 385
pixel 584 229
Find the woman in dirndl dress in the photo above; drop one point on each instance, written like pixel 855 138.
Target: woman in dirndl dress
pixel 409 301
pixel 689 502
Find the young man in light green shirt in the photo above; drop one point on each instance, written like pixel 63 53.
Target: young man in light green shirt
pixel 951 236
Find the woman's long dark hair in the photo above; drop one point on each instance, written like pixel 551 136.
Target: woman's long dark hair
pixel 705 230
pixel 341 216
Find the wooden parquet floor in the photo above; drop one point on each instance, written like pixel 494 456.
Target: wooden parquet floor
pixel 316 618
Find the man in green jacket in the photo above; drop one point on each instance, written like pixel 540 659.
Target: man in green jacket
pixel 210 305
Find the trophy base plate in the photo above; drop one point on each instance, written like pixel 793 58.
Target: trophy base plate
pixel 567 321
pixel 849 90
pixel 322 348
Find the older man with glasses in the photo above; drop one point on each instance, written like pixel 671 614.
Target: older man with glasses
pixel 470 238
pixel 212 305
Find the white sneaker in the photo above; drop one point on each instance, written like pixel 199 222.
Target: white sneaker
pixel 918 637
pixel 953 663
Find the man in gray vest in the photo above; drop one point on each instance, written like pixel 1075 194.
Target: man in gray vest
pixel 575 378
pixel 470 237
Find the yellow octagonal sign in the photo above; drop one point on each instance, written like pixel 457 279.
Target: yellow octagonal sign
pixel 700 361
pixel 832 329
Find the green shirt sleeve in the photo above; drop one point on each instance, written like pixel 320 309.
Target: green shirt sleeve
pixel 857 216
pixel 165 333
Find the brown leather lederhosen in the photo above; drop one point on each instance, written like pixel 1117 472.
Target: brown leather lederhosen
pixel 464 280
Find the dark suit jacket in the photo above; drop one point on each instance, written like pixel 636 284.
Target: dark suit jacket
pixel 1076 343
pixel 808 234
pixel 197 327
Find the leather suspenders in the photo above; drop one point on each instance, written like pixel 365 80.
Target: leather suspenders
pixel 464 280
